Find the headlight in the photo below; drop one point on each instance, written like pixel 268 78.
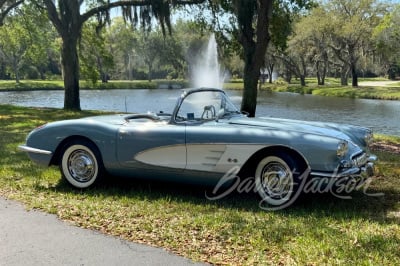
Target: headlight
pixel 342 148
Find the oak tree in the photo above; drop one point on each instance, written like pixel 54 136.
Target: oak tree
pixel 69 16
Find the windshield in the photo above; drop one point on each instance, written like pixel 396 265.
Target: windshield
pixel 205 105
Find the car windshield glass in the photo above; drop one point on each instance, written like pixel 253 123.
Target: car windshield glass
pixel 205 105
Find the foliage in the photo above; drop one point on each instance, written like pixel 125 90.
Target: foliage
pixel 387 38
pixel 27 42
pixel 121 41
pixel 249 33
pixel 337 35
pixel 321 229
pixel 96 59
pixel 14 43
pixel 6 6
pixel 68 17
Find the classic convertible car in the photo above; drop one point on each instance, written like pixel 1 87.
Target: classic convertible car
pixel 202 140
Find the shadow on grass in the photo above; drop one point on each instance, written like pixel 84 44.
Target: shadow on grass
pixel 357 205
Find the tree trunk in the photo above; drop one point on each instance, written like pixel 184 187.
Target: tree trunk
pixel 254 51
pixel 392 72
pixel 16 70
pixel 2 70
pixel 249 101
pixel 288 75
pixel 319 81
pixel 344 74
pixel 302 80
pixel 70 65
pixel 322 82
pixel 303 75
pixel 321 72
pixel 149 75
pixel 354 81
pixel 42 73
pixel 324 67
pixel 270 70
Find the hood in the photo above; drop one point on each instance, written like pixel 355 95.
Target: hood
pixel 118 119
pixel 316 128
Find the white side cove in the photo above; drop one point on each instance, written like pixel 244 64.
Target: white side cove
pixel 219 158
pixel 166 156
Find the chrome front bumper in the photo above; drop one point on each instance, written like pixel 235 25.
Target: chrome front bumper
pixel 39 156
pixel 33 150
pixel 367 169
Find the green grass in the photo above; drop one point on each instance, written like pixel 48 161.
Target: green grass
pixel 388 139
pixel 320 229
pixel 6 85
pixel 333 88
pixel 382 93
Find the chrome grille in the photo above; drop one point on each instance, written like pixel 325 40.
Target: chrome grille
pixel 360 160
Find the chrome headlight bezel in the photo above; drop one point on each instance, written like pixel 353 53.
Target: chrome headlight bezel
pixel 342 148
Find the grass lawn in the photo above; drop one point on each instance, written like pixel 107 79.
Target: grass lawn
pixel 321 229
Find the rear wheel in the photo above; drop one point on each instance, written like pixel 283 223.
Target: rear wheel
pixel 277 179
pixel 81 164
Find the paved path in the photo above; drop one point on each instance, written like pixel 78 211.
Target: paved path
pixel 37 238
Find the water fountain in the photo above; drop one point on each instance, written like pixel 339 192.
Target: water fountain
pixel 206 71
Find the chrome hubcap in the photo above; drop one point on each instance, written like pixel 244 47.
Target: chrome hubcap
pixel 81 166
pixel 276 180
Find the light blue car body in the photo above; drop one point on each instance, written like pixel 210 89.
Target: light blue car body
pixel 202 149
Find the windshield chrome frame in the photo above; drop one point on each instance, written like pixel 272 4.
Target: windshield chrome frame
pixel 186 93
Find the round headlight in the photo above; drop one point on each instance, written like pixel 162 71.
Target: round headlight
pixel 342 148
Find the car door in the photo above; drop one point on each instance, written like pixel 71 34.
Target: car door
pixel 205 146
pixel 205 142
pixel 151 144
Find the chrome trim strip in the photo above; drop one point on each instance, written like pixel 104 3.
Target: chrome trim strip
pixel 347 172
pixel 321 174
pixel 33 150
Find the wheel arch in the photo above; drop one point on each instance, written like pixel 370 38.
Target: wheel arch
pixel 58 152
pixel 249 167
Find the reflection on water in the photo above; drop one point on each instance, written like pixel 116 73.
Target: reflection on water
pixel 382 116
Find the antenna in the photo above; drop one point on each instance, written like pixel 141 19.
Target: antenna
pixel 126 107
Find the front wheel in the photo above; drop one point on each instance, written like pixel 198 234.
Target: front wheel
pixel 277 180
pixel 81 164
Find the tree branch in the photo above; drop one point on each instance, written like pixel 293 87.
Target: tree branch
pixel 53 15
pixel 110 5
pixel 11 6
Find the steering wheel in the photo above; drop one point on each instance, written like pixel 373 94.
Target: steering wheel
pixel 208 112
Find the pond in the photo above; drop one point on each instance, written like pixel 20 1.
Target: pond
pixel 382 116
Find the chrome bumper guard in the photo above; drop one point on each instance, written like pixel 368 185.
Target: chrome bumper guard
pixel 366 170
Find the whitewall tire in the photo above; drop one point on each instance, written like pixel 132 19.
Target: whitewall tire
pixel 277 180
pixel 81 164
